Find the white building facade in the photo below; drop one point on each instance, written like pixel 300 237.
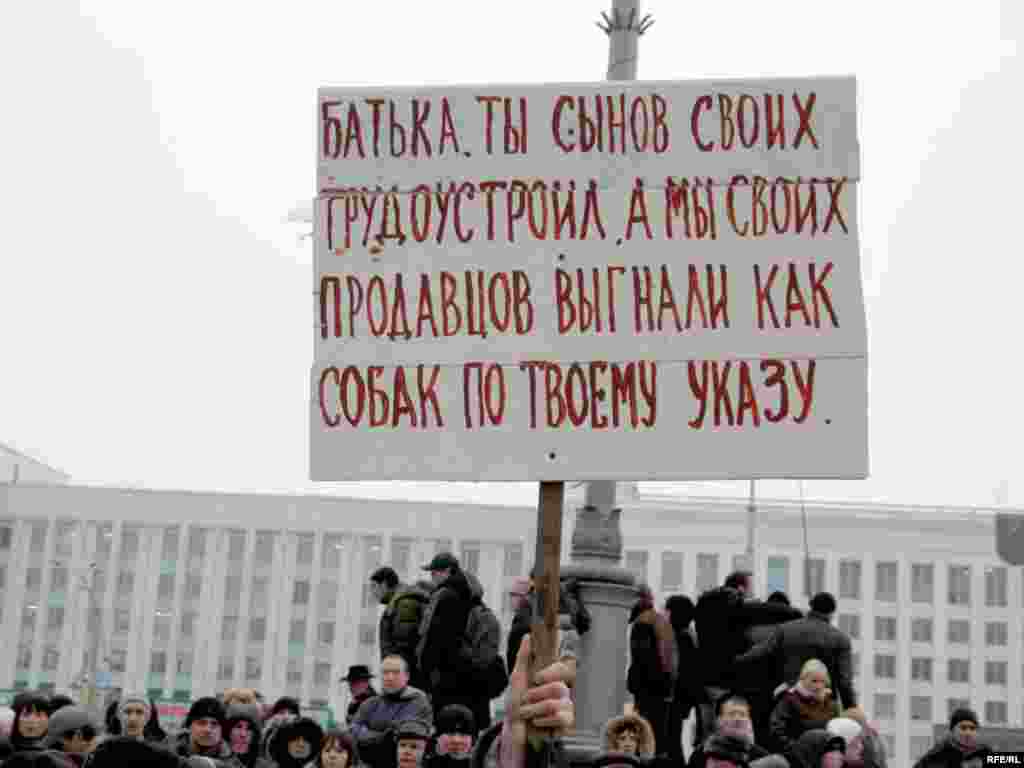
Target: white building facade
pixel 202 591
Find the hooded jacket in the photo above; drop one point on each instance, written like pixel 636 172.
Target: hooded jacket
pixel 301 728
pixel 248 713
pixel 654 657
pixel 400 623
pixel 442 630
pixel 796 713
pixel 615 726
pixel 948 754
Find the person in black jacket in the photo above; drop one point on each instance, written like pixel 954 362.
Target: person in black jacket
pixel 653 667
pixel 732 739
pixel 31 721
pixel 688 688
pixel 960 748
pixel 796 642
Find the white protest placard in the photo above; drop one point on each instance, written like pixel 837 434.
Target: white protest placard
pixel 642 280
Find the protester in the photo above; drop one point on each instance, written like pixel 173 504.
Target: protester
pixel 243 731
pixel 31 721
pixel 731 743
pixel 360 688
pixel 654 663
pixel 375 723
pixel 629 735
pixel 296 743
pixel 339 750
pixel 960 748
pixel 688 690
pixel 455 734
pixel 399 632
pixel 412 737
pixel 806 706
pixel 203 732
pixel 128 752
pixel 74 731
pixel 285 708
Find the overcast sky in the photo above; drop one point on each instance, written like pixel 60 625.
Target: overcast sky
pixel 155 304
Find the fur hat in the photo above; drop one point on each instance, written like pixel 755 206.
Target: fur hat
pixel 207 706
pixel 962 714
pixel 645 733
pixel 301 728
pixel 455 718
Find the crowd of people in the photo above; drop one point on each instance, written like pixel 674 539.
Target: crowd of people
pixel 770 688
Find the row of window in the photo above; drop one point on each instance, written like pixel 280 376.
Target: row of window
pixel 922 578
pixel 958 631
pixel 995 712
pixel 957 670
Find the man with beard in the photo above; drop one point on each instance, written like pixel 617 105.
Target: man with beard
pixel 374 726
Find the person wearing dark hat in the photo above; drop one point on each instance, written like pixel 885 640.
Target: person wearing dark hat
pixel 60 700
pixel 124 751
pixel 31 721
pixel 203 732
pixel 455 730
pixel 404 607
pixel 296 742
pixel 413 738
pixel 72 730
pixel 960 748
pixel 243 733
pixel 284 709
pixel 359 688
pixel 40 759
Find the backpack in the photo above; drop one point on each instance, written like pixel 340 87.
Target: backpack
pixel 482 650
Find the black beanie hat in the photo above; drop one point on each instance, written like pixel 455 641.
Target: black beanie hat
pixel 207 706
pixel 455 718
pixel 286 704
pixel 960 715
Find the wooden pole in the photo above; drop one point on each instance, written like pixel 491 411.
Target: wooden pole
pixel 547 562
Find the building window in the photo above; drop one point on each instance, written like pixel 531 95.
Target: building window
pixel 671 572
pixel 372 561
pixel 707 571
pixel 188 623
pixel 58 579
pixel 921 630
pixel 922 583
pixel 890 743
pixel 253 668
pixel 257 630
pixel 995 672
pixel 118 660
pixel 226 668
pixel 954 704
pixel 996 633
pixel 469 556
pixel 778 575
pixel 304 553
pixel 297 632
pixel 327 598
pixel 959 631
pixel 196 544
pixel 51 658
pixel 125 583
pixel 185 661
pixel 129 543
pixel 814 573
pixel 33 578
pixel 165 586
pixel 401 556
pixel 169 547
pixel 885 666
pixel 885 629
pixel 294 673
pixel 158 662
pixel 6 536
pixel 850 624
pixel 162 627
pixel 264 549
pixel 122 621
pixel 330 553
pixel 65 537
pixel 921 708
pixel 367 634
pixel 325 633
pixel 636 563
pixel 321 673
pixel 37 539
pixel 233 587
pixel 236 547
pixel 921 670
pixel 959 585
pixel 887 582
pixel 849 579
pixel 300 593
pixel 995 587
pixel 995 712
pixel 193 585
pixel 959 671
pixel 885 706
pixel 55 617
pixel 229 629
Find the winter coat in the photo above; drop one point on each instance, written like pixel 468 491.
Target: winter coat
pixel 304 728
pixel 808 750
pixel 181 744
pixel 400 623
pixel 615 726
pixel 800 640
pixel 442 631
pixel 724 619
pixel 947 754
pixel 357 701
pixel 795 714
pixel 250 714
pixel 377 717
pixel 654 658
pixel 688 691
pixel 736 751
